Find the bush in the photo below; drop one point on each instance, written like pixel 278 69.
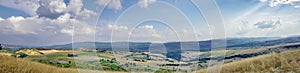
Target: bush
pixel 162 70
pixel 72 55
pixel 0 47
pixel 21 55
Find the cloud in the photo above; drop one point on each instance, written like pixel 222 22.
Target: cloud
pixel 112 4
pixel 145 31
pixel 117 27
pixel 297 6
pixel 146 27
pixel 75 7
pixel 28 6
pixel 45 30
pixel 117 4
pixel 49 8
pixel 51 21
pixel 85 14
pixel 268 24
pixel 1 19
pixel 145 3
pixel 273 3
pixel 55 8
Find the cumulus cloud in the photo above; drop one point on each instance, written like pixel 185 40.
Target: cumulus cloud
pixel 268 24
pixel 51 21
pixel 75 7
pixel 28 6
pixel 43 29
pixel 48 8
pixel 86 14
pixel 297 6
pixel 1 19
pixel 39 25
pixel 273 3
pixel 117 27
pixel 146 31
pixel 112 4
pixel 117 4
pixel 55 8
pixel 145 3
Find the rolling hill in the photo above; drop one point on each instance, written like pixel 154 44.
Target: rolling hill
pixel 288 61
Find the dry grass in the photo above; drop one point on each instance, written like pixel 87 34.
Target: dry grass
pixel 56 51
pixel 18 65
pixel 6 54
pixel 288 61
pixel 30 52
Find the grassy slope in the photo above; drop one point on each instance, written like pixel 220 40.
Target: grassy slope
pixel 288 61
pixel 18 65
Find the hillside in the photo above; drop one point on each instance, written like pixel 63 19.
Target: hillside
pixel 18 65
pixel 288 61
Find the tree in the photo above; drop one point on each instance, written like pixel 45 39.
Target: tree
pixel 22 55
pixel 0 47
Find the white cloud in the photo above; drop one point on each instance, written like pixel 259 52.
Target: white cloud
pixel 145 3
pixel 86 14
pixel 146 31
pixel 268 24
pixel 28 6
pixel 75 6
pixel 273 3
pixel 117 27
pixel 146 27
pixel 45 30
pixel 51 22
pixel 1 19
pixel 263 0
pixel 297 6
pixel 64 18
pixel 112 4
pixel 49 8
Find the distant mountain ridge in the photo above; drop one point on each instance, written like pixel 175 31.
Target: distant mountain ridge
pixel 174 49
pixel 143 46
pixel 270 42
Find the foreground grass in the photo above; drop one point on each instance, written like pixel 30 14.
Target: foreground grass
pixel 284 62
pixel 16 65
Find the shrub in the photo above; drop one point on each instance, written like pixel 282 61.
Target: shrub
pixel 0 47
pixel 21 55
pixel 162 70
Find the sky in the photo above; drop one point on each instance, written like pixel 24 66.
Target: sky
pixel 52 22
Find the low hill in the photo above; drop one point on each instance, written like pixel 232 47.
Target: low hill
pixel 30 52
pixel 284 62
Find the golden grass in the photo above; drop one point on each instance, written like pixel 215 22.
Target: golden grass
pixel 56 51
pixel 288 61
pixel 6 54
pixel 18 65
pixel 30 52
